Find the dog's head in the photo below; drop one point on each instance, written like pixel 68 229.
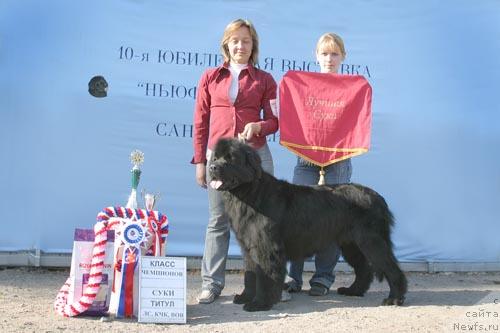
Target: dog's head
pixel 232 164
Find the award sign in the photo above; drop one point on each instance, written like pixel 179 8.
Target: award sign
pixel 162 290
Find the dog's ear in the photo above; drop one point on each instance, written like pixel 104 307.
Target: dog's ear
pixel 254 161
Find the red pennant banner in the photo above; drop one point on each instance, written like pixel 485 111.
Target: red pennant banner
pixel 325 118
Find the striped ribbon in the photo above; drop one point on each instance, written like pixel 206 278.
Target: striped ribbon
pixel 130 260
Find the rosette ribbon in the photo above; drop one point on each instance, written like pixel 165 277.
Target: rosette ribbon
pixel 130 260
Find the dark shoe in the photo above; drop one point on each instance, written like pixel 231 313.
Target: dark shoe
pixel 292 287
pixel 318 290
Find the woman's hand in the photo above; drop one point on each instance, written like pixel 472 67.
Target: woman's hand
pixel 250 130
pixel 201 177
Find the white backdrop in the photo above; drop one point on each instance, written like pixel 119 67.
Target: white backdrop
pixel 433 66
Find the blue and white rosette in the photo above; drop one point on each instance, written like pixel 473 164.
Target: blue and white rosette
pixel 133 238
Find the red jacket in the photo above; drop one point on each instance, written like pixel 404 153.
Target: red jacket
pixel 216 117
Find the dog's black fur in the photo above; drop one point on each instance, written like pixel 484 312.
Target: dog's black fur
pixel 275 221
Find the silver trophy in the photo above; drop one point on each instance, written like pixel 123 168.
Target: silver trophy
pixel 150 199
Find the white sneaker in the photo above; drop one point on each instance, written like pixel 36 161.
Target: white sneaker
pixel 285 296
pixel 206 297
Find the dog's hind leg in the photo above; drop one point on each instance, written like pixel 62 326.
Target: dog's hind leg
pixel 397 283
pixel 383 261
pixel 362 270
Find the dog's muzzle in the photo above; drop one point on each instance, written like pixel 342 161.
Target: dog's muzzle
pixel 213 169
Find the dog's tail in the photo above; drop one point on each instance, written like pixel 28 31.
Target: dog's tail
pixel 385 228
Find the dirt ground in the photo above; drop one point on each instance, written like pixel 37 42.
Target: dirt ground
pixel 445 302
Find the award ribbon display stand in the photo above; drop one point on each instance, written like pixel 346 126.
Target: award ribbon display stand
pixel 138 232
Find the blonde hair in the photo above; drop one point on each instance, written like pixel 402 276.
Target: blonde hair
pixel 232 27
pixel 331 41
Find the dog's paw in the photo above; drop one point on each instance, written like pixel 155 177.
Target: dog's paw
pixel 242 298
pixel 256 306
pixel 349 292
pixel 393 301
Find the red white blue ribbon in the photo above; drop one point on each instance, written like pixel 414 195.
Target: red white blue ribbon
pixel 133 236
pixel 129 263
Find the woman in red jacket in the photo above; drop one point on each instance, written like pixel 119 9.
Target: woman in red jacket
pixel 229 102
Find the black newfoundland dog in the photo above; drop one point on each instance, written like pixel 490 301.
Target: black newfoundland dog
pixel 275 221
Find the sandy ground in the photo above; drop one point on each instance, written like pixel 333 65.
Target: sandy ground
pixel 446 302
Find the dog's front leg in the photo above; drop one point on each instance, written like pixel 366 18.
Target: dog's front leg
pixel 263 300
pixel 249 292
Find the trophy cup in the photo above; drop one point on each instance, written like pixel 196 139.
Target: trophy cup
pixel 137 158
pixel 150 199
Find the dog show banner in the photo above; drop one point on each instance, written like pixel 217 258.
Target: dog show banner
pixel 325 118
pixel 84 82
pixel 162 290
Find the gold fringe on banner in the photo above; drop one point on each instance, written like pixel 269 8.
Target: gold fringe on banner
pixel 351 153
